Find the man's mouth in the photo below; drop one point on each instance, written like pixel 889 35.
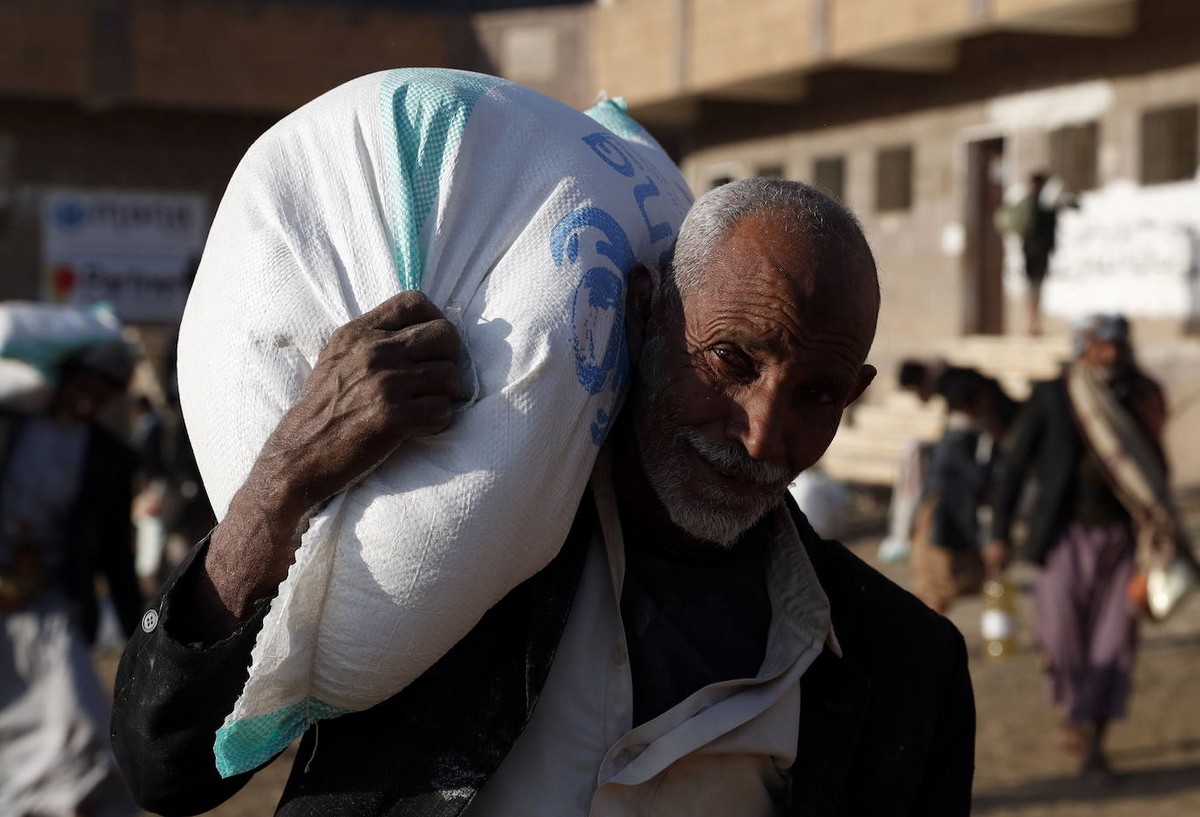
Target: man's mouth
pixel 736 480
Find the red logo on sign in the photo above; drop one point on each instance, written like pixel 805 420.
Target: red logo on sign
pixel 62 281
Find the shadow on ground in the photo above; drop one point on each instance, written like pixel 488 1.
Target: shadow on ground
pixel 1142 785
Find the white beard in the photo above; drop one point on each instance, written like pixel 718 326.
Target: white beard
pixel 666 448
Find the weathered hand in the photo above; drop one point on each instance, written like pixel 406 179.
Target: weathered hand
pixel 385 377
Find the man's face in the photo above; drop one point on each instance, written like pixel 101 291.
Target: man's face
pixel 746 389
pixel 1112 358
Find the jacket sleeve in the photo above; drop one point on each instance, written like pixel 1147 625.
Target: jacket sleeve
pixel 1030 427
pixel 946 787
pixel 171 698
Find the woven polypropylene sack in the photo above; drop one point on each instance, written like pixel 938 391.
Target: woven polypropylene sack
pixel 520 218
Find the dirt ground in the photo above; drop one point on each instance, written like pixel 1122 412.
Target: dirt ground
pixel 1019 771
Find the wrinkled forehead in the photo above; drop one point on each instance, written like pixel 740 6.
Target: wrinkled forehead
pixel 825 277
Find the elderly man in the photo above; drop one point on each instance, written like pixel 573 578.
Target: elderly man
pixel 695 648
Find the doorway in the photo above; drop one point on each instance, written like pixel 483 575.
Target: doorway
pixel 984 256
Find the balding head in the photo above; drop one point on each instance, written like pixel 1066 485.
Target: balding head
pixel 840 256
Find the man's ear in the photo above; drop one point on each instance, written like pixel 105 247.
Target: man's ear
pixel 866 374
pixel 639 300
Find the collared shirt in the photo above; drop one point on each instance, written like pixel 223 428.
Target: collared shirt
pixel 727 748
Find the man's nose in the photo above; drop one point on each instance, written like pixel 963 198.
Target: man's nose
pixel 762 425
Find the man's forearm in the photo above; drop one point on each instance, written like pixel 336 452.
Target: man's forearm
pixel 247 558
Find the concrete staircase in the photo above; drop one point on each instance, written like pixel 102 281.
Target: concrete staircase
pixel 875 431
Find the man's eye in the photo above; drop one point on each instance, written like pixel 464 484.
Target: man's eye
pixel 822 397
pixel 733 359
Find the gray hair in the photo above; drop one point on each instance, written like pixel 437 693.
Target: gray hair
pixel 803 210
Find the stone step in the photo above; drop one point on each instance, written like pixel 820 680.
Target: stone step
pixel 875 432
pixel 871 444
pixel 1032 360
pixel 924 423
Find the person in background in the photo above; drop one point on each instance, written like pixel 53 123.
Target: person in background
pixel 1088 435
pixel 953 514
pixel 1036 222
pixel 187 515
pixel 65 494
pixel 919 378
pixel 147 439
pixel 979 415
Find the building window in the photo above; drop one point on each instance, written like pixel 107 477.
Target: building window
pixel 893 178
pixel 530 54
pixel 1169 144
pixel 829 174
pixel 774 171
pixel 1074 156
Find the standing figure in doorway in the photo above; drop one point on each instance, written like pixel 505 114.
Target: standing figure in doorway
pixel 1038 229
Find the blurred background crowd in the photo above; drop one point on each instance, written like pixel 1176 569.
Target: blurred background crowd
pixel 1025 170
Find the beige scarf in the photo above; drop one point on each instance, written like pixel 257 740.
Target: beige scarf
pixel 1136 473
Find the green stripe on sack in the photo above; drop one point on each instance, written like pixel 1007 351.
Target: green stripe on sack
pixel 425 111
pixel 249 743
pixel 614 115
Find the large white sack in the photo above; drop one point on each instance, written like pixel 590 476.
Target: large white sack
pixel 24 388
pixel 43 335
pixel 517 215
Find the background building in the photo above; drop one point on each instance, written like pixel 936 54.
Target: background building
pixel 923 115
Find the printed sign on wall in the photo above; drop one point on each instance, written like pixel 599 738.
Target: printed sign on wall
pixel 132 250
pixel 1126 249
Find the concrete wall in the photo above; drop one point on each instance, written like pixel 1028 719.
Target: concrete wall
pixel 547 49
pixel 266 56
pixel 858 26
pixel 636 49
pixel 237 55
pixel 31 34
pixel 657 51
pixel 727 45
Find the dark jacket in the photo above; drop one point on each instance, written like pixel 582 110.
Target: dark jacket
pixel 1050 445
pixel 886 730
pixel 101 534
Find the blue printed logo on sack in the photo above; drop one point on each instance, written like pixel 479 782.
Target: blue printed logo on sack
pixel 616 157
pixel 598 309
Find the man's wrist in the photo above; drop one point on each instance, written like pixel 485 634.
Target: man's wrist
pixel 253 547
